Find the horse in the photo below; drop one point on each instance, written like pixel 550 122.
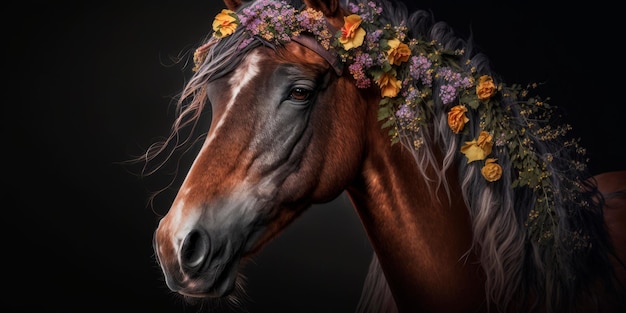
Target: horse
pixel 473 197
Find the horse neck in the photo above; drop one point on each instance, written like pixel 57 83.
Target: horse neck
pixel 422 237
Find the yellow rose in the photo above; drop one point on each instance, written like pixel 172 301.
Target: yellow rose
pixel 398 52
pixel 457 118
pixel 478 149
pixel 485 88
pixel 492 171
pixel 225 23
pixel 351 34
pixel 389 85
pixel 485 141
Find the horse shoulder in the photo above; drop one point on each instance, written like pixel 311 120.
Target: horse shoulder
pixel 613 186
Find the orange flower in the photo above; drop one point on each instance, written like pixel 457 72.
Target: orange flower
pixel 398 52
pixel 485 141
pixel 389 85
pixel 352 34
pixel 225 23
pixel 457 118
pixel 478 149
pixel 486 88
pixel 492 171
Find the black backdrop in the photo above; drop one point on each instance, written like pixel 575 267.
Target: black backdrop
pixel 90 85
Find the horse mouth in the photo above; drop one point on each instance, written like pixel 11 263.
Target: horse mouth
pixel 220 283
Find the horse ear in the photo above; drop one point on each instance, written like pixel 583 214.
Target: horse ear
pixel 330 8
pixel 232 4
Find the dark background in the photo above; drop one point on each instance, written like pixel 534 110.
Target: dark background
pixel 91 85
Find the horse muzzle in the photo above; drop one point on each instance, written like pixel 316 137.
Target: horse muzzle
pixel 199 264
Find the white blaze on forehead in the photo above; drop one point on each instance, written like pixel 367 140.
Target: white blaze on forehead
pixel 244 73
pixel 242 76
pixel 182 220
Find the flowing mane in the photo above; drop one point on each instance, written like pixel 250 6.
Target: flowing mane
pixel 505 219
pixel 544 206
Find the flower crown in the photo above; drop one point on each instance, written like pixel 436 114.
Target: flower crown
pixel 404 70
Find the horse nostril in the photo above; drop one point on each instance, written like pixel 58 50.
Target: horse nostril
pixel 194 250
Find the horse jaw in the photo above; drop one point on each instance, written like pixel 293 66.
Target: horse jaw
pixel 201 245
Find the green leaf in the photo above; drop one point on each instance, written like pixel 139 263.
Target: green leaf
pixel 383 44
pixel 383 113
pixel 388 123
pixel 386 67
pixel 376 73
pixel 474 103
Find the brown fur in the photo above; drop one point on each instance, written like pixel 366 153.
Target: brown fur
pixel 422 237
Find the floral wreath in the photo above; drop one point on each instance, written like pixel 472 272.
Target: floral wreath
pixel 404 69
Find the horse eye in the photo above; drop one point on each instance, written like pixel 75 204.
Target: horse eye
pixel 300 94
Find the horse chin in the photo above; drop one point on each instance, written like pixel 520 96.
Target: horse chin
pixel 222 285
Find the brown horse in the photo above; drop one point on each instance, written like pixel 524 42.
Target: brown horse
pixel 472 200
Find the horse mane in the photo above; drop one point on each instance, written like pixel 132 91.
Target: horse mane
pixel 555 271
pixel 520 257
pixel 221 57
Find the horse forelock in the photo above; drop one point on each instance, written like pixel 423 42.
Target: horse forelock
pixel 222 57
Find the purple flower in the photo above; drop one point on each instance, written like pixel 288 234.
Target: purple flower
pixel 419 69
pixel 405 113
pixel 447 93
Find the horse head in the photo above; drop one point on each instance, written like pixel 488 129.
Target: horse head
pixel 273 109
